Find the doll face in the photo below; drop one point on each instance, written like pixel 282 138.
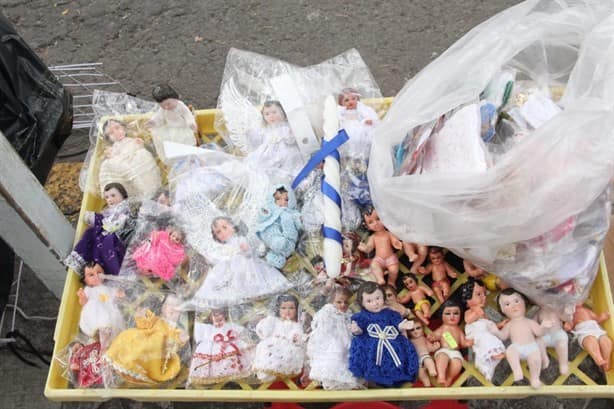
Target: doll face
pixel 176 236
pixel 164 200
pixel 218 319
pixel 373 222
pixel 451 315
pixel 115 131
pixel 350 101
pixel 272 115
pixel 287 311
pixel 410 283
pixel 113 196
pixel 436 258
pixel 223 230
pixel 281 199
pixel 478 297
pixel 512 306
pixel 373 302
pixel 92 276
pixel 416 331
pixel 348 246
pixel 168 104
pixel 341 302
pixel 390 296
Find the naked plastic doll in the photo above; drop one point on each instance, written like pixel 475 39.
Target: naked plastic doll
pixel 416 253
pixel 590 336
pixel 172 121
pixel 328 347
pixel 555 337
pixel 281 350
pixel 105 241
pixel 127 162
pixel 358 120
pixel 392 302
pixel 488 349
pixel 440 270
pixel 161 253
pixel 279 225
pixel 424 348
pixel 448 359
pixel 380 351
pixel 417 293
pixel 384 243
pixel 524 333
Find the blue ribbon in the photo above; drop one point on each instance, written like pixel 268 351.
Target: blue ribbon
pixel 333 234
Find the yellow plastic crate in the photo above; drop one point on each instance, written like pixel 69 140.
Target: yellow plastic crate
pixel 58 389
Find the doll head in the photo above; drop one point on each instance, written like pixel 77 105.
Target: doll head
pixel 410 281
pixel 372 221
pixel 171 308
pixel 390 294
pixel 340 298
pixel 113 130
pixel 163 197
pixel 348 98
pixel 417 331
pixel 350 243
pixel 165 95
pixel 175 234
pixel 281 197
pixel 219 317
pixel 114 193
pixel 273 113
pixel 370 296
pixel 436 255
pixel 451 312
pixel 92 274
pixel 287 307
pixel 511 303
pixel 222 229
pixel 473 293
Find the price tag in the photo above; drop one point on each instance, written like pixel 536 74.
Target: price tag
pixel 450 340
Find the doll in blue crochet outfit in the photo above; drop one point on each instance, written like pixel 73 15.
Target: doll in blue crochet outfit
pixel 279 223
pixel 380 351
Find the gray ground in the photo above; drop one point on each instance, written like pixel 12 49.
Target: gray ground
pixel 185 43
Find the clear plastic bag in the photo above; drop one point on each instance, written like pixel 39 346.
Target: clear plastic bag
pixel 549 172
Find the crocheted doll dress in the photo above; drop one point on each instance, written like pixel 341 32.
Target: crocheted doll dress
pixel 159 255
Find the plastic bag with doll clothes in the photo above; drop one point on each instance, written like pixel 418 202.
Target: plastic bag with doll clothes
pixel 501 149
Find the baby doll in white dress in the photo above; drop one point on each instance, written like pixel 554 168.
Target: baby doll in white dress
pixel 358 120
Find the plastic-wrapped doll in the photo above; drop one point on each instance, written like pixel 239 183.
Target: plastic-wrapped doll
pixel 488 349
pixel 161 253
pixel 392 302
pixel 555 337
pixel 148 353
pixel 279 224
pixel 172 121
pixel 128 162
pixel 416 253
pixel 590 336
pixel 85 362
pixel 281 350
pixel 448 359
pixel 99 313
pixel 102 242
pixel 236 274
pixel 523 333
pixel 440 270
pixel 417 293
pixel 221 353
pixel 275 144
pixel 357 119
pixel 329 343
pixel 424 348
pixel 384 243
pixel 491 281
pixel 380 352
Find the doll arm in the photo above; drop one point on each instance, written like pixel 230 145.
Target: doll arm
pixel 368 113
pixel 465 342
pixel 426 270
pixel 354 328
pixel 426 290
pixel 394 240
pixel 82 297
pixel 156 119
pixel 405 298
pixel 434 336
pixel 186 115
pixel 368 246
pixel 265 327
pixel 450 271
pixel 502 334
pixel 603 317
pixel 406 325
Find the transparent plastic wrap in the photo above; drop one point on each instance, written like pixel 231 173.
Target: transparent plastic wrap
pixel 120 149
pixel 82 363
pixel 511 214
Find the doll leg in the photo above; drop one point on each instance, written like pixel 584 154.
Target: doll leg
pixel 424 377
pixel 441 364
pixel 429 364
pixel 562 354
pixel 513 359
pixel 543 353
pixel 410 251
pixel 535 367
pixel 393 273
pixel 422 317
pixel 378 272
pixel 445 289
pixel 591 345
pixel 605 344
pixel 421 256
pixel 438 293
pixel 454 368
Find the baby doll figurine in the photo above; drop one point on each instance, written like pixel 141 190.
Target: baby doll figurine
pixel 491 281
pixel 488 349
pixel 392 302
pixel 358 120
pixel 279 224
pixel 236 275
pixel 148 353
pixel 591 337
pixel 222 353
pixel 417 293
pixel 328 348
pixel 85 362
pixel 102 241
pixel 350 257
pixel 416 253
pixel 99 313
pixel 441 270
pixel 448 359
pixel 127 162
pixel 380 352
pixel 523 333
pixel 172 121
pixel 281 350
pixel 555 337
pixel 161 253
pixel 424 348
pixel 384 243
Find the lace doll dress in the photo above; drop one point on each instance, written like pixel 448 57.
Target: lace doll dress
pixel 353 121
pixel 159 255
pixel 172 125
pixel 100 311
pixel 485 346
pixel 328 349
pixel 281 350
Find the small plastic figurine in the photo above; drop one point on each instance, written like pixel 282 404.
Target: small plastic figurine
pixel 555 337
pixel 424 348
pixel 441 270
pixel 222 353
pixel 172 121
pixel 591 337
pixel 417 293
pixel 448 359
pixel 488 349
pixel 148 353
pixel 85 362
pixel 127 162
pixel 328 348
pixel 236 274
pixel 392 302
pixel 523 333
pixel 350 257
pixel 491 281
pixel 161 253
pixel 102 241
pixel 358 120
pixel 416 253
pixel 281 350
pixel 384 243
pixel 279 224
pixel 380 352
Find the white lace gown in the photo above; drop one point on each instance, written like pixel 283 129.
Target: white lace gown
pixel 172 125
pixel 100 311
pixel 485 345
pixel 353 121
pixel 328 349
pixel 281 350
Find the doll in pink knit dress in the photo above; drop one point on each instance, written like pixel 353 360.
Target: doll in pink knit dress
pixel 161 253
